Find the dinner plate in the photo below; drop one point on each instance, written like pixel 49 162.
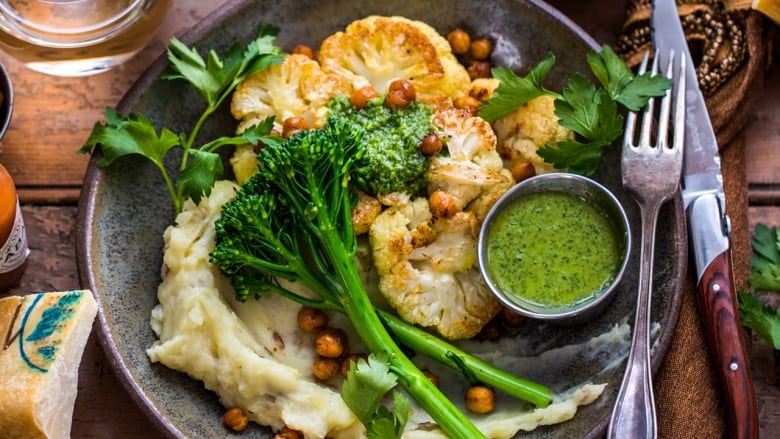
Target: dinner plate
pixel 125 208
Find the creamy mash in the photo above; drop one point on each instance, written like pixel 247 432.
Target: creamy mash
pixel 253 356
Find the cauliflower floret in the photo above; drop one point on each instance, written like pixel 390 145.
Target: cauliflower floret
pixel 377 50
pixel 427 269
pixel 297 87
pixel 244 162
pixel 365 212
pixel 529 128
pixel 471 171
pixel 482 89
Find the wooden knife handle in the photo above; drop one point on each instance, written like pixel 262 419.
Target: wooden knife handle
pixel 720 313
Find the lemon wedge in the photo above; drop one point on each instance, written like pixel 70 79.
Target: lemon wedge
pixel 770 8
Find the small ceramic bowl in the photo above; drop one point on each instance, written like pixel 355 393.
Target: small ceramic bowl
pixel 554 247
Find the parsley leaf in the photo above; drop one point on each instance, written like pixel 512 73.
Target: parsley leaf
pixel 760 318
pixel 764 276
pixel 214 78
pixel 132 135
pixel 363 390
pixel 631 91
pixel 765 260
pixel 591 112
pixel 513 89
pixel 580 158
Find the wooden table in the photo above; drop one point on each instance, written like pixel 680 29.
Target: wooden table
pixel 53 116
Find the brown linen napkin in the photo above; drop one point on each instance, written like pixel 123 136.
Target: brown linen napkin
pixel 688 397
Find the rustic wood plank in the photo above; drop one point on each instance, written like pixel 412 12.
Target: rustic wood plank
pixel 762 135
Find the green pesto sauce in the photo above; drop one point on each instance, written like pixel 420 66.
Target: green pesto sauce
pixel 553 249
pixel 392 140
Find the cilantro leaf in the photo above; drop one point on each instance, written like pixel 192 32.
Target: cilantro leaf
pixel 760 318
pixel 125 136
pixel 513 91
pixel 619 81
pixel 362 391
pixel 765 260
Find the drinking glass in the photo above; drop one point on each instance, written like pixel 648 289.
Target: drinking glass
pixel 77 37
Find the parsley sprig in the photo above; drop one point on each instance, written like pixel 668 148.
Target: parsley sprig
pixel 764 276
pixel 588 110
pixel 214 78
pixel 367 383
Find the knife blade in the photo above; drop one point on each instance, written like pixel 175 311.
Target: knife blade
pixel 709 231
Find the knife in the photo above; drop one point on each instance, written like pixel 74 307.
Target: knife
pixel 709 233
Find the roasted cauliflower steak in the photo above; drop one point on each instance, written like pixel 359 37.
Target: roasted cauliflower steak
pixel 297 87
pixel 378 50
pixel 428 269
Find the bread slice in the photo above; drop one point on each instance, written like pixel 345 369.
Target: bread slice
pixel 42 339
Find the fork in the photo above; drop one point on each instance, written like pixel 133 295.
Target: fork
pixel 651 175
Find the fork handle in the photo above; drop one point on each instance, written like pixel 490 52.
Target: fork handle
pixel 717 303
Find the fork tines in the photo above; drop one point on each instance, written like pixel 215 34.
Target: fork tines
pixel 664 113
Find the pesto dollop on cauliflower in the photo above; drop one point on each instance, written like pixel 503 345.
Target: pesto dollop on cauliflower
pixel 530 127
pixel 427 269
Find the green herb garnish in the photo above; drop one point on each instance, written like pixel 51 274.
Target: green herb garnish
pixel 214 79
pixel 764 276
pixel 589 111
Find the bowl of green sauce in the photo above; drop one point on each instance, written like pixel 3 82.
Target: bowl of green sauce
pixel 554 247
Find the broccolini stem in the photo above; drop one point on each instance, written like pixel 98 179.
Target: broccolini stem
pixel 437 349
pixel 369 327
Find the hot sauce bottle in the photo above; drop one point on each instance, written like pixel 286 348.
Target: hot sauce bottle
pixel 13 238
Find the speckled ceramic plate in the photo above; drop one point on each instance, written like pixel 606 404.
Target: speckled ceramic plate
pixel 125 208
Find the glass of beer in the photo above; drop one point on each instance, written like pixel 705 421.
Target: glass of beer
pixel 77 37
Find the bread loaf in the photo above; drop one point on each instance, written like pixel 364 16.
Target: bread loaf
pixel 42 339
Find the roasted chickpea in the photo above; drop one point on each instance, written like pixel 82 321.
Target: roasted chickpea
pixel 480 399
pixel 311 320
pixel 434 379
pixel 325 368
pixel 481 49
pixel 431 144
pixel 522 169
pixel 346 363
pixel 479 69
pixel 442 204
pixel 400 94
pixel 460 41
pixel 511 318
pixel 288 433
pixel 331 342
pixel 303 49
pixel 361 96
pixel 490 332
pixel 235 419
pixel 292 125
pixel 469 104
